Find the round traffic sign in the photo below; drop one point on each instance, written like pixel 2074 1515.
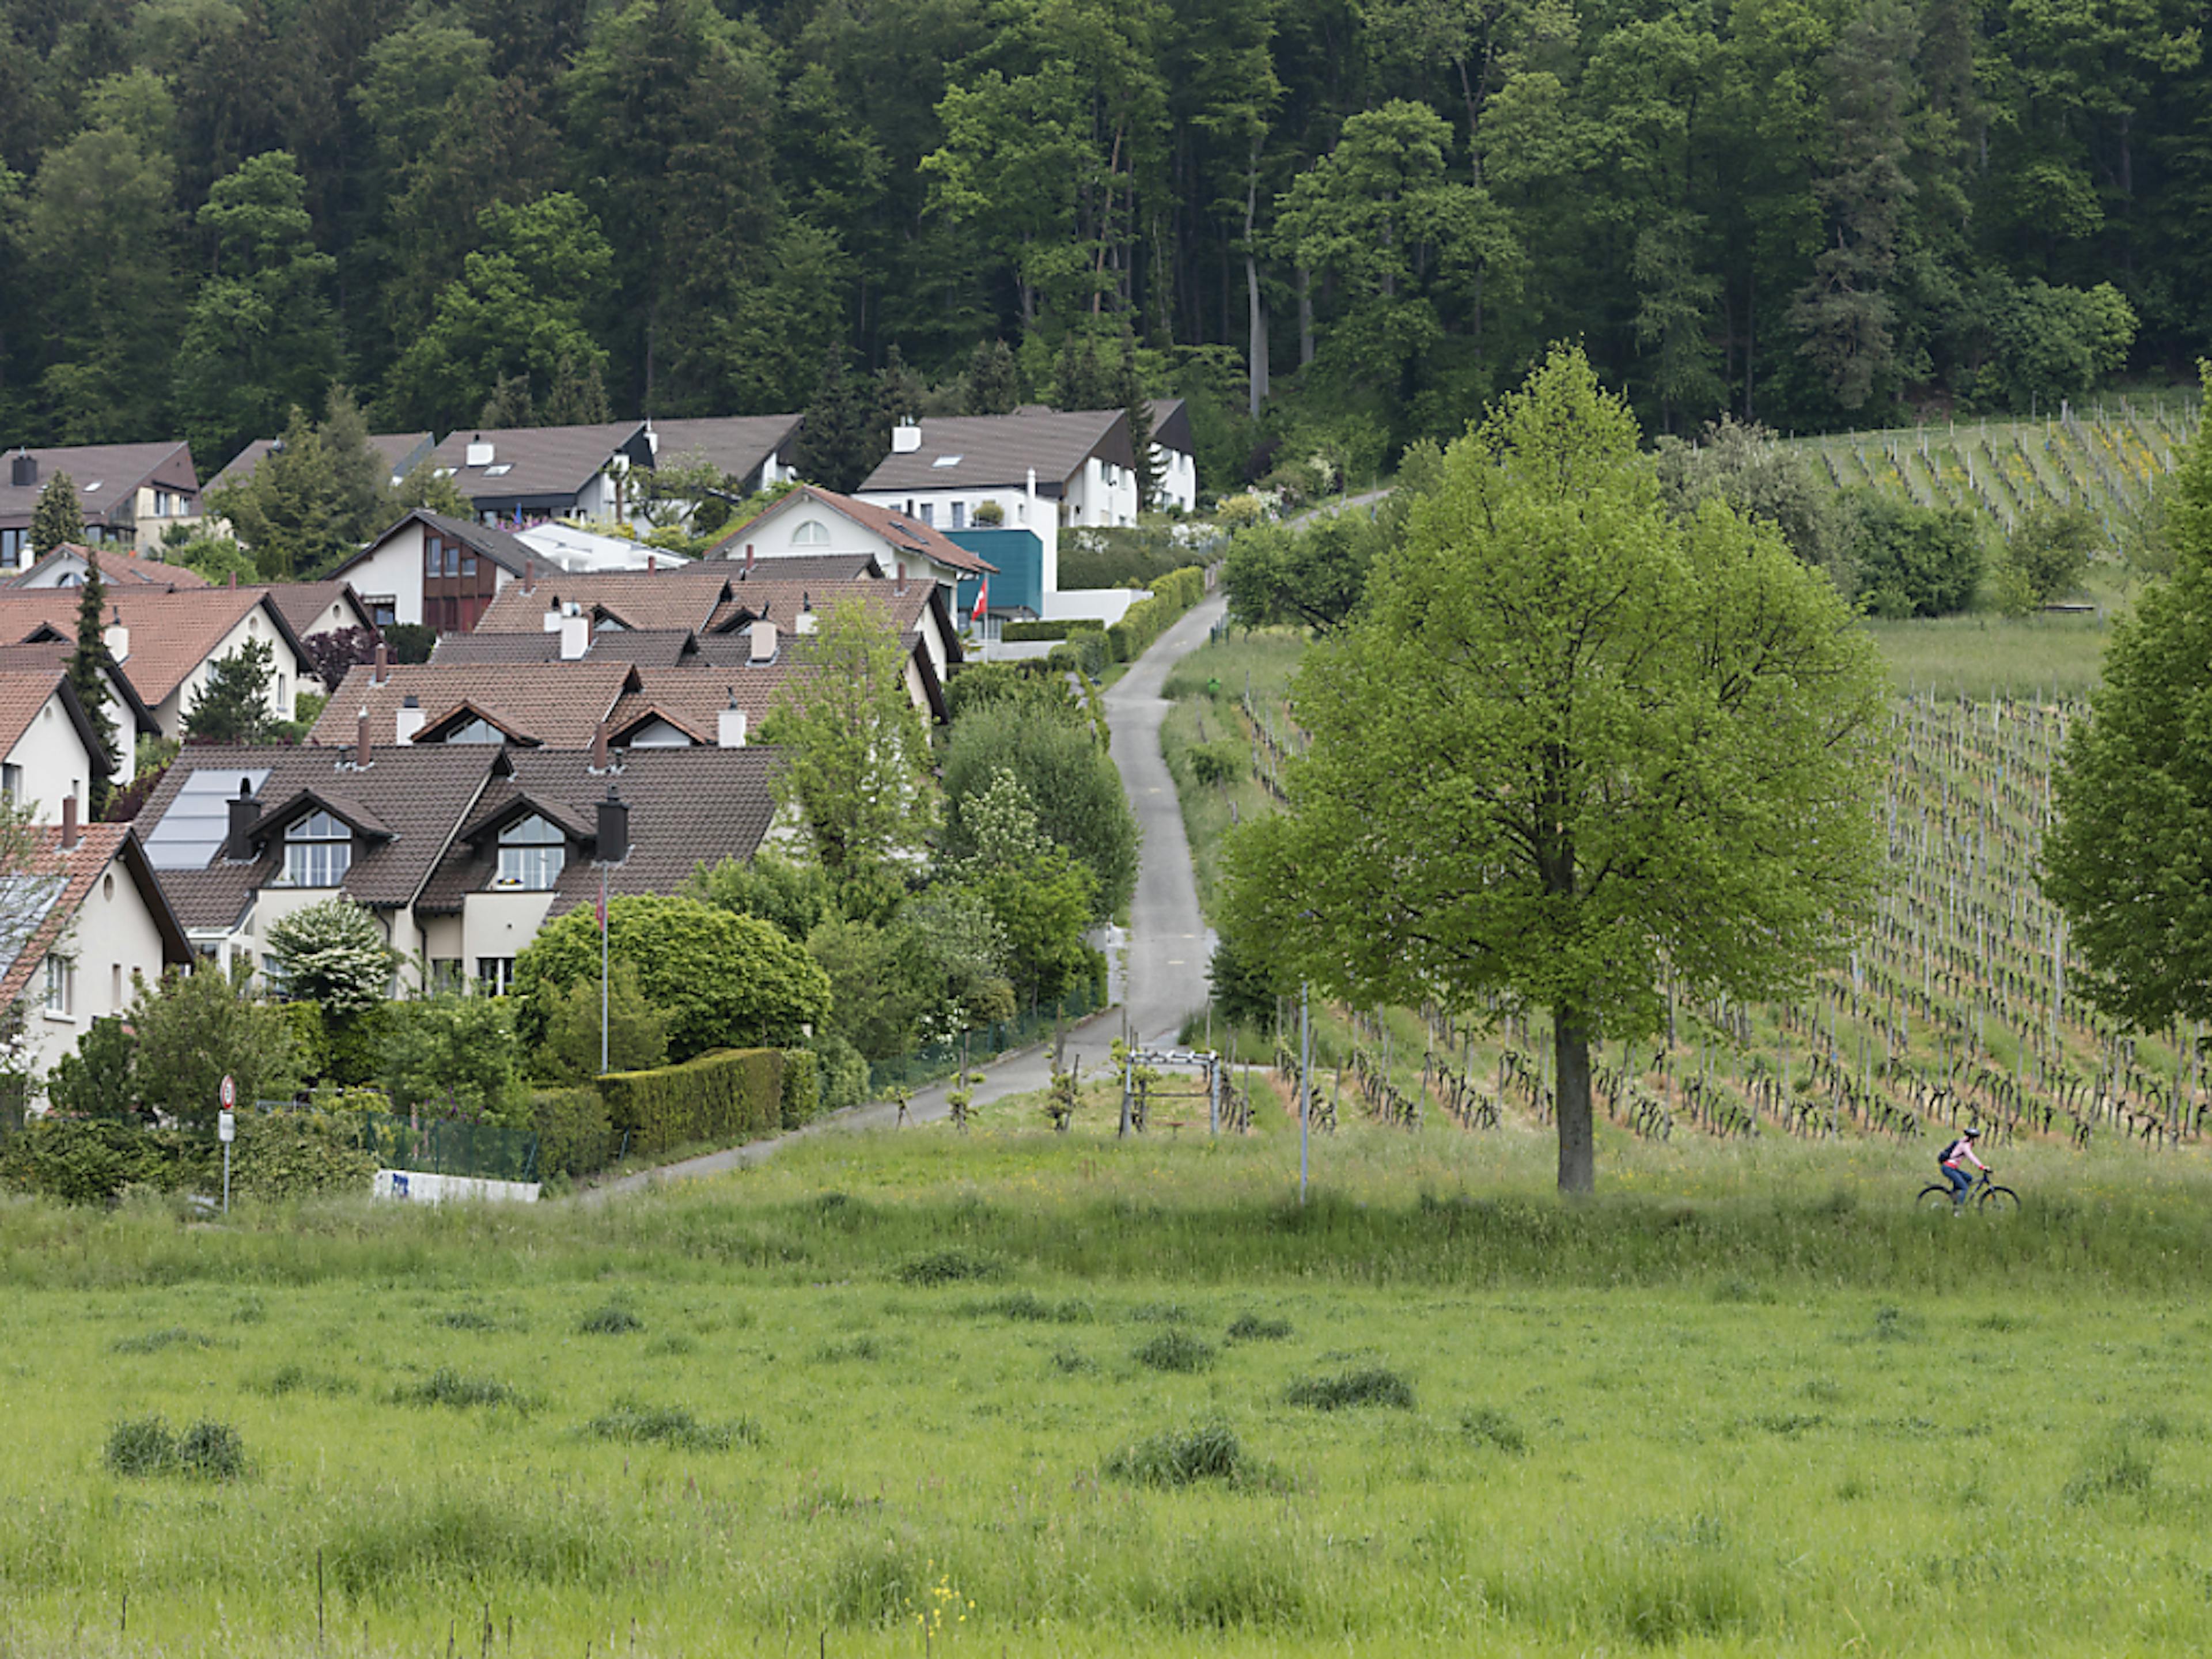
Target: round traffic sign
pixel 229 1092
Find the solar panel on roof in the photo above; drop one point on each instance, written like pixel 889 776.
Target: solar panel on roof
pixel 198 819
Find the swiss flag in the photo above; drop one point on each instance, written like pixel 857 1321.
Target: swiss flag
pixel 982 597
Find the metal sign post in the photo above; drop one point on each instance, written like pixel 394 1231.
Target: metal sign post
pixel 1305 1078
pixel 226 1131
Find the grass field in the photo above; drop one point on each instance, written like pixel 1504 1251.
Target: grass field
pixel 1019 1393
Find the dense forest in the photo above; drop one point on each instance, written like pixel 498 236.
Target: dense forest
pixel 1358 217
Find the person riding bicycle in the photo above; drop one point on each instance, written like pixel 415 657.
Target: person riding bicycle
pixel 1961 1183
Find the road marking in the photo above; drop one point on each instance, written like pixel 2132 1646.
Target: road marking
pixel 1174 961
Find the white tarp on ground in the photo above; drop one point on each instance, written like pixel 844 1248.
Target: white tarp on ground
pixel 417 1187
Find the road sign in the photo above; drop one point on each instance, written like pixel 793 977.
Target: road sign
pixel 226 1127
pixel 229 1093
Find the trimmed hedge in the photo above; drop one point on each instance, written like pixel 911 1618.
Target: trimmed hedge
pixel 729 1095
pixel 1082 654
pixel 1147 620
pixel 1066 628
pixel 802 1090
pixel 573 1135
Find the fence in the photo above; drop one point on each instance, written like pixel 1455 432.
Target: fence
pixel 937 1060
pixel 451 1146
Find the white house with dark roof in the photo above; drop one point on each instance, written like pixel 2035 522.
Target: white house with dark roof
pixel 813 523
pixel 753 451
pixel 524 474
pixel 431 569
pixel 51 751
pixel 401 453
pixel 130 494
pixel 1175 455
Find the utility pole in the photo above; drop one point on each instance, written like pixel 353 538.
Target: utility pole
pixel 1305 1079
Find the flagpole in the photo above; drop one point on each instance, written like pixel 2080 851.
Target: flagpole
pixel 603 969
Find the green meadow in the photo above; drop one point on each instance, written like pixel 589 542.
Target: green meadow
pixel 1021 1392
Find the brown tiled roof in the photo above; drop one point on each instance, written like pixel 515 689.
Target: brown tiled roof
pixel 736 445
pixel 661 647
pixel 397 450
pixel 904 535
pixel 116 566
pixel 999 451
pixel 56 654
pixel 117 468
pixel 803 567
pixel 302 604
pixel 497 545
pixel 76 868
pixel 546 465
pixel 557 704
pixel 688 806
pixel 24 691
pixel 171 634
pixel 692 699
pixel 420 796
pixel 659 601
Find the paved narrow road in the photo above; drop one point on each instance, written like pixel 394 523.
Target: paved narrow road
pixel 1160 974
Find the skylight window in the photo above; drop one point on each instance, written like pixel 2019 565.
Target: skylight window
pixel 948 460
pixel 95 485
pixel 499 469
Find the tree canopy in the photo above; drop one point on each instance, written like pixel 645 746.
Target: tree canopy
pixel 1573 751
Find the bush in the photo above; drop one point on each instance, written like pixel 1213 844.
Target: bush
pixel 636 1031
pixel 1375 1386
pixel 735 1094
pixel 612 1320
pixel 446 1387
pixel 1914 561
pixel 843 1074
pixel 574 1136
pixel 452 1053
pixel 1147 620
pixel 1251 1328
pixel 99 1081
pixel 86 1161
pixel 1222 761
pixel 143 1447
pixel 669 1425
pixel 284 1155
pixel 1066 628
pixel 1116 558
pixel 410 642
pixel 1088 653
pixel 947 1267
pixel 802 1089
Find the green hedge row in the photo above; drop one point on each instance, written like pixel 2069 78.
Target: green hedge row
pixel 1066 628
pixel 574 1137
pixel 1147 620
pixel 729 1095
pixel 802 1089
pixel 278 1156
pixel 1084 653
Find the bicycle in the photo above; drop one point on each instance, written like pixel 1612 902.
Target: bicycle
pixel 1984 1194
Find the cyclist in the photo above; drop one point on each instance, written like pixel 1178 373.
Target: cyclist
pixel 1961 1183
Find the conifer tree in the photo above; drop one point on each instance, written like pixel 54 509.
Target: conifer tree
pixel 85 678
pixel 56 517
pixel 1129 392
pixel 994 384
pixel 837 448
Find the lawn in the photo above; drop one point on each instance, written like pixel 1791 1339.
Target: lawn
pixel 1015 1392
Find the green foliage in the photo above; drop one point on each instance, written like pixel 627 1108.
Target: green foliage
pixel 1312 577
pixel 1071 784
pixel 720 980
pixel 312 500
pixel 843 1073
pixel 1375 1385
pixel 232 705
pixel 1126 556
pixel 332 953
pixel 1183 1457
pixel 574 1135
pixel 87 678
pixel 1041 895
pixel 1739 463
pixel 722 1098
pixel 795 896
pixel 839 445
pixel 453 1054
pixel 280 1156
pixel 1446 841
pixel 139 1447
pixel 2047 557
pixel 802 1089
pixel 632 1423
pixel 56 517
pixel 194 1029
pixel 100 1080
pixel 1175 1350
pixel 1147 620
pixel 636 1031
pixel 86 1161
pixel 1913 560
pixel 411 641
pixel 1245 983
pixel 879 984
pixel 2133 785
pixel 218 558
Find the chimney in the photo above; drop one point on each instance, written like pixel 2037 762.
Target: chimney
pixel 69 803
pixel 380 669
pixel 763 633
pixel 901 590
pixel 115 636
pixel 600 762
pixel 245 813
pixel 575 634
pixel 529 573
pixel 730 725
pixel 652 563
pixel 805 621
pixel 552 622
pixel 23 470
pixel 614 828
pixel 234 579
pixel 749 558
pixel 479 453
pixel 409 721
pixel 651 441
pixel 362 754
pixel 906 438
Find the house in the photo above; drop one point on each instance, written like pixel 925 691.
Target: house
pixel 462 852
pixel 165 643
pixel 52 753
pixel 1046 469
pixel 65 567
pixel 400 451
pixel 104 924
pixel 589 552
pixel 1175 455
pixel 324 607
pixel 130 494
pixel 815 524
pixel 526 474
pixel 428 569
pixel 684 599
pixel 555 705
pixel 754 450
pixel 126 711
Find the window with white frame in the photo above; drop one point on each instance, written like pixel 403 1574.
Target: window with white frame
pixel 61 986
pixel 531 855
pixel 959 515
pixel 317 852
pixel 929 512
pixel 812 533
pixel 494 975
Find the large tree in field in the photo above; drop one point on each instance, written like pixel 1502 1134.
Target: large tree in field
pixel 1572 745
pixel 2127 859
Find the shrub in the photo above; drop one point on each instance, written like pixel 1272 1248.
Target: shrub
pixel 1032 1309
pixel 1175 1350
pixel 1147 620
pixel 1182 1457
pixel 735 1094
pixel 1493 1428
pixel 1375 1386
pixel 100 1078
pixel 86 1161
pixel 1224 760
pixel 1914 561
pixel 574 1136
pixel 211 1451
pixel 284 1155
pixel 843 1074
pixel 636 1031
pixel 452 1053
pixel 195 1029
pixel 802 1088
pixel 140 1446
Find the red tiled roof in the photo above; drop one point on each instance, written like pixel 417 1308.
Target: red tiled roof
pixel 171 634
pixel 116 566
pixel 75 870
pixel 663 601
pixel 557 704
pixel 904 535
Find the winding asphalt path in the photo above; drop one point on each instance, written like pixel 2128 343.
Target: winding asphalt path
pixel 1159 964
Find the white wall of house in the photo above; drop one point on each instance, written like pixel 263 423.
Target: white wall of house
pixel 1105 605
pixel 154 510
pixel 500 925
pixel 284 679
pixel 110 942
pixel 49 763
pixel 393 572
pixel 1176 473
pixel 955 509
pixel 1102 496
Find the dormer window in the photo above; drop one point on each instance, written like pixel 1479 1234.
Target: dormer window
pixel 317 852
pixel 812 533
pixel 531 855
pixel 477 731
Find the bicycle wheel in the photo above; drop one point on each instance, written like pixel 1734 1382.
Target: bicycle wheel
pixel 1937 1197
pixel 1999 1200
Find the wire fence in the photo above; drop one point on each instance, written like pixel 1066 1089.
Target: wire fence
pixel 937 1060
pixel 451 1146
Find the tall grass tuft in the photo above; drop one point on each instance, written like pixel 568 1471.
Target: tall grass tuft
pixel 144 1446
pixel 1251 1328
pixel 1376 1385
pixel 612 1320
pixel 946 1267
pixel 1175 1350
pixel 175 1336
pixel 669 1425
pixel 448 1387
pixel 460 1538
pixel 1183 1457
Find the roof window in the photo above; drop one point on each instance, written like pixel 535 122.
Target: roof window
pixel 499 470
pixel 948 460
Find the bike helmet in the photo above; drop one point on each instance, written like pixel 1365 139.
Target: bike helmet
pixel 1974 1134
